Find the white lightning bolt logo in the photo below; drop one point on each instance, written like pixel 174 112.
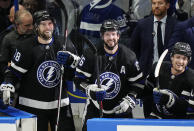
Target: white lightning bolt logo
pixel 50 73
pixel 109 83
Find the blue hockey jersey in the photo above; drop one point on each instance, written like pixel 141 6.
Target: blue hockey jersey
pixel 96 12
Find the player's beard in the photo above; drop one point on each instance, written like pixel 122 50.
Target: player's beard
pixel 111 47
pixel 44 35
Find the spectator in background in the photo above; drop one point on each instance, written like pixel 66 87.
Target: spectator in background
pixel 11 19
pixel 24 29
pixel 12 13
pixel 184 32
pixel 172 8
pixel 53 8
pixel 4 11
pixel 95 13
pixel 181 15
pixel 138 9
pixel 187 6
pixel 33 5
pixel 144 38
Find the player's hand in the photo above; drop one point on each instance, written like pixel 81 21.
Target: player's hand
pixel 66 58
pixel 7 90
pixel 126 106
pixel 96 93
pixel 164 97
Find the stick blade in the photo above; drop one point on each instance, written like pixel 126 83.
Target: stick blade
pixel 156 73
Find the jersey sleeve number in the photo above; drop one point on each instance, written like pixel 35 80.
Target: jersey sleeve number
pixel 17 56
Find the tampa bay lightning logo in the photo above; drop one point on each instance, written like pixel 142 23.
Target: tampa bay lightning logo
pixel 48 74
pixel 113 83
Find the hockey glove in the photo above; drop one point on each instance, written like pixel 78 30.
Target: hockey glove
pixel 66 58
pixel 126 105
pixel 164 97
pixel 7 90
pixel 96 93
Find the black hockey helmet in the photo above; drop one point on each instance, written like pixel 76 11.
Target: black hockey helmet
pixel 183 49
pixel 42 15
pixel 110 25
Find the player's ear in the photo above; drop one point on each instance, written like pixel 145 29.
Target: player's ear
pixel 171 57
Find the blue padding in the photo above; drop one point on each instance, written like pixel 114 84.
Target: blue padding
pixel 8 120
pixel 76 96
pixel 102 124
pixel 18 114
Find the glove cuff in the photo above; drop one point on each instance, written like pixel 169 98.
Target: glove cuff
pixel 7 87
pixel 95 93
pixel 131 100
pixel 171 100
pixel 75 61
pixel 132 94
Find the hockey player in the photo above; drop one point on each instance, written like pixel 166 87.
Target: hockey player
pixel 118 73
pixel 35 65
pixel 173 97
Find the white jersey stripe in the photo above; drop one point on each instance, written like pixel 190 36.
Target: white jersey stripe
pixel 103 6
pixel 89 26
pixel 186 93
pixel 42 104
pixel 85 73
pixel 135 78
pixel 22 70
pixel 138 85
pixel 191 102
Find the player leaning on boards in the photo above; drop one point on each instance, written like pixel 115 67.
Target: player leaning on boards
pixel 173 99
pixel 35 65
pixel 119 73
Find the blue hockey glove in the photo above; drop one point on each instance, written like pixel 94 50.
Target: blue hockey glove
pixel 66 58
pixel 96 93
pixel 126 106
pixel 7 90
pixel 164 97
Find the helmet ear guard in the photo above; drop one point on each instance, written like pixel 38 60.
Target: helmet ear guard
pixel 183 49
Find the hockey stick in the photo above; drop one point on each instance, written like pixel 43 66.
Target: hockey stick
pixel 16 5
pixel 157 69
pixel 93 47
pixel 61 4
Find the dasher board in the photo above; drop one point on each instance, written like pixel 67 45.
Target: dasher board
pixel 12 119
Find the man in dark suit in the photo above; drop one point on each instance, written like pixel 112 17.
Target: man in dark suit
pixel 144 39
